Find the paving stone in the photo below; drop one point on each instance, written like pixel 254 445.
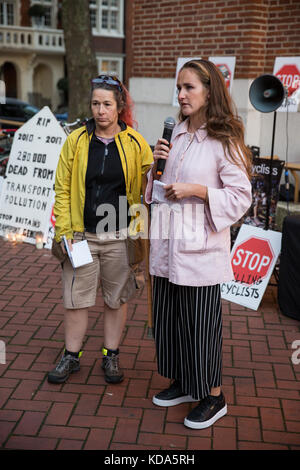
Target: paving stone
pixel 260 382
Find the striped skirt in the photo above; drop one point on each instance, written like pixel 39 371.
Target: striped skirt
pixel 188 335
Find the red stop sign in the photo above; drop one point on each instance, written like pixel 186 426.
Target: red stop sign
pixel 289 74
pixel 251 260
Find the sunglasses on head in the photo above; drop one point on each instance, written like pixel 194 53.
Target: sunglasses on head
pixel 108 80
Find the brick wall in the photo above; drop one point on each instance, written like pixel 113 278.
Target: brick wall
pixel 283 38
pixel 25 19
pixel 254 31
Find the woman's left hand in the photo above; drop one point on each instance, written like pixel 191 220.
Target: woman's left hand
pixel 178 191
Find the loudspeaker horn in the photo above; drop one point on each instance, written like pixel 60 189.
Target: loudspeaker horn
pixel 267 93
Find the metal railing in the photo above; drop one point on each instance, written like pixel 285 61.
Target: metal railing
pixel 68 126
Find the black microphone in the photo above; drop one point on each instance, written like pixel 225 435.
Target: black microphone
pixel 167 134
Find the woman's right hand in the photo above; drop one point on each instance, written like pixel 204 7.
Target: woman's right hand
pixel 161 151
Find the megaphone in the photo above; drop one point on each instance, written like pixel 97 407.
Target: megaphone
pixel 267 93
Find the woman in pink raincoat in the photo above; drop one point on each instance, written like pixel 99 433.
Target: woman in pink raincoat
pixel 205 188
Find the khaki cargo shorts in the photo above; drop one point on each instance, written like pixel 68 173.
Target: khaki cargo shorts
pixel 109 269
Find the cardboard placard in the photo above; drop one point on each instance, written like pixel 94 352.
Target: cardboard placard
pixel 253 258
pixel 27 194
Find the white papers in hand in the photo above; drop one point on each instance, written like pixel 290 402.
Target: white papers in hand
pixel 80 254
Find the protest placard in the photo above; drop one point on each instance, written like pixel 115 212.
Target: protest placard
pixel 26 199
pixel 253 258
pixel 226 65
pixel 257 212
pixel 287 69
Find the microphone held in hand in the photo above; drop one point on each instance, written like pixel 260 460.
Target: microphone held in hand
pixel 167 134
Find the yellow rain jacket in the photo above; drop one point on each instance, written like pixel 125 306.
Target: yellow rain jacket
pixel 136 157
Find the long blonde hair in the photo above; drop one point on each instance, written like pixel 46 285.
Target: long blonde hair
pixel 222 120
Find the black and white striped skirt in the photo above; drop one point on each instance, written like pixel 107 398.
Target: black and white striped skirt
pixel 188 335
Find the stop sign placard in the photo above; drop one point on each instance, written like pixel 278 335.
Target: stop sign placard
pixel 289 74
pixel 251 260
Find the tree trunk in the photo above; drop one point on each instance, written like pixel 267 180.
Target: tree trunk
pixel 80 56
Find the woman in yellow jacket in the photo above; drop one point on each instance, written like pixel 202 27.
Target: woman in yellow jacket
pixel 98 178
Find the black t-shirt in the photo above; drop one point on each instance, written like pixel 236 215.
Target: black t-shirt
pixel 104 184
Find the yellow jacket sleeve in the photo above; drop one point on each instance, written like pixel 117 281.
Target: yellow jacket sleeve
pixel 62 205
pixel 147 158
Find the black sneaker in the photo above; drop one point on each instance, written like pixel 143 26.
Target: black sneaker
pixel 172 396
pixel 209 410
pixel 66 366
pixel 113 373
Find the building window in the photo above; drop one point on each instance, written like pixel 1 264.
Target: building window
pixel 7 13
pixel 48 6
pixel 93 13
pixel 111 66
pixel 107 17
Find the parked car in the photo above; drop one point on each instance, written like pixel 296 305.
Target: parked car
pixel 15 112
pixel 62 116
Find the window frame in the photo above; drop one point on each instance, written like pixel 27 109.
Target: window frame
pixel 119 59
pixel 52 6
pixel 5 13
pixel 98 30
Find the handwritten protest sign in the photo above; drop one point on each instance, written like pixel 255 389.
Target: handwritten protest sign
pixel 26 199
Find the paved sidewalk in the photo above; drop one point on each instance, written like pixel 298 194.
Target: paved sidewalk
pixel 261 384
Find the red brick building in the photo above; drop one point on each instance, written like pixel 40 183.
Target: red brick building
pixel 254 31
pixel 141 40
